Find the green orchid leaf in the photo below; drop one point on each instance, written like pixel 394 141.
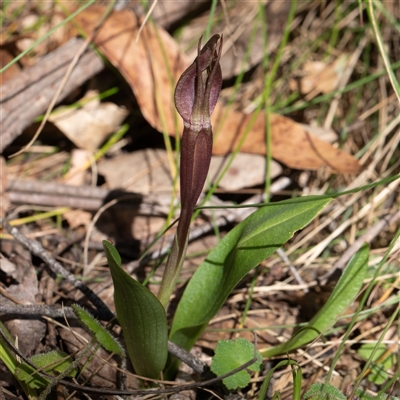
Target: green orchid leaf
pixel 340 299
pixel 142 319
pixel 102 335
pixel 230 355
pixel 242 249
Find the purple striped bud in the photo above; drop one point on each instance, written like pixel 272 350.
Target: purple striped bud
pixel 196 95
pixel 198 88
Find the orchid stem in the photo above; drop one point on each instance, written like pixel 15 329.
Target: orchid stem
pixel 172 271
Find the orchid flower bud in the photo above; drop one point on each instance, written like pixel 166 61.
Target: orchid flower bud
pixel 196 95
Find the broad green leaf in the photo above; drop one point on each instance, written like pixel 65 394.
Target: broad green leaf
pixel 230 355
pixel 242 249
pixel 142 319
pixel 341 298
pixel 102 335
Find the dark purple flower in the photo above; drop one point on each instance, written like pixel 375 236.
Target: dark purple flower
pixel 196 95
pixel 198 88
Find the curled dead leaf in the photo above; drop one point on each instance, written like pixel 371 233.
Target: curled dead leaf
pixel 291 143
pixel 152 66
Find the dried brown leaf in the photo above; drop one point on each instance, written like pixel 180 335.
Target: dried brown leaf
pixel 88 127
pixel 321 77
pixel 148 171
pixel 246 170
pixel 152 65
pixel 291 143
pixel 101 371
pixel 11 72
pixel 77 174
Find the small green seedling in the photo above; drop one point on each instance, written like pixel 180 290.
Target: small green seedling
pixel 52 363
pixel 102 335
pixel 327 391
pixel 230 355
